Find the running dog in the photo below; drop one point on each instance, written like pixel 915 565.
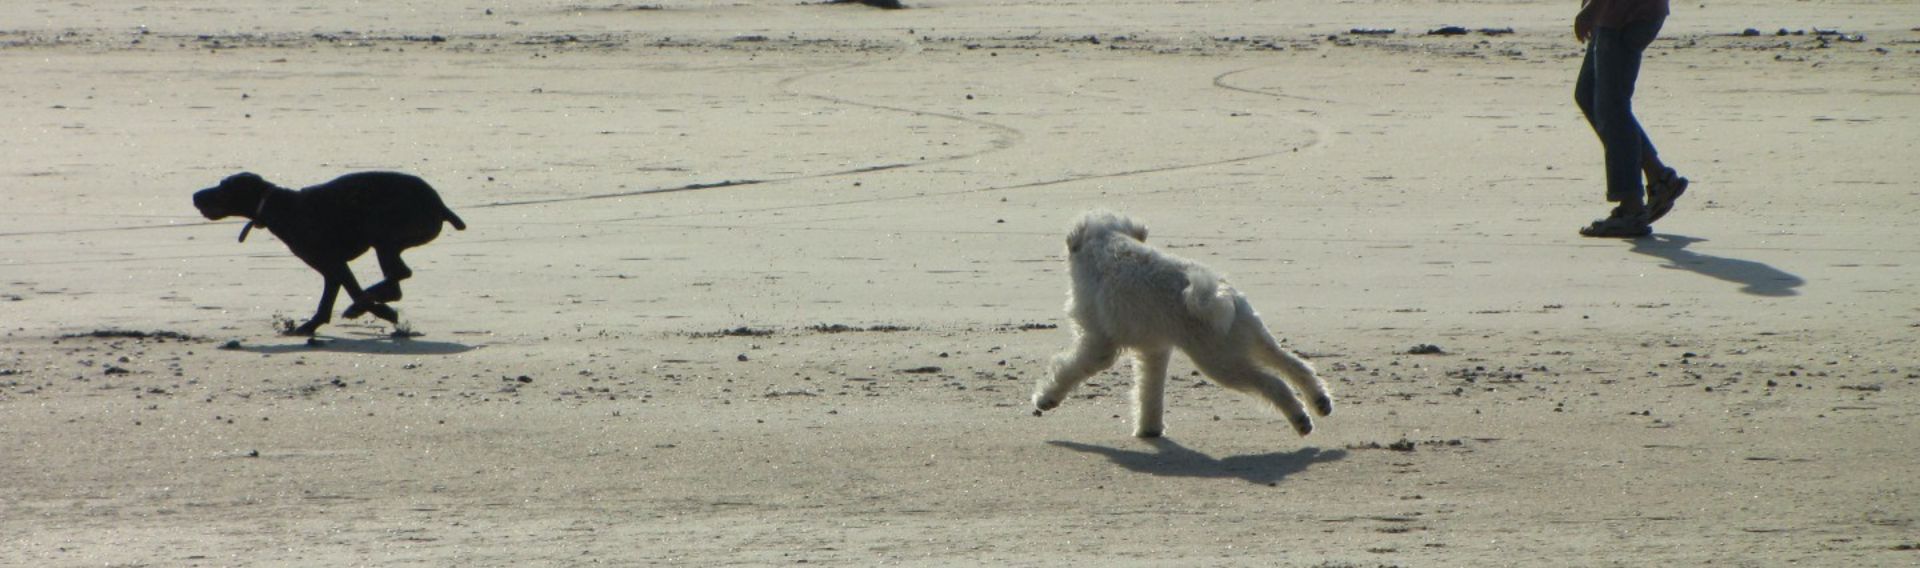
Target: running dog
pixel 330 224
pixel 1128 295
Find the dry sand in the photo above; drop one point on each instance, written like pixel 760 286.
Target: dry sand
pixel 767 283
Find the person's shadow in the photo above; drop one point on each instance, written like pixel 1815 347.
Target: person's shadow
pixel 1169 458
pixel 1757 278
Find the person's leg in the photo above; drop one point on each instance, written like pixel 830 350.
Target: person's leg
pixel 1650 165
pixel 1583 89
pixel 1616 54
pixel 1583 96
pixel 1641 35
pixel 1663 185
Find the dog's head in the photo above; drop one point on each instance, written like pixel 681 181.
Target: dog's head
pixel 239 194
pixel 1100 224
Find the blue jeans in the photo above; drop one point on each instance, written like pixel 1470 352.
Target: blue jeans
pixel 1605 95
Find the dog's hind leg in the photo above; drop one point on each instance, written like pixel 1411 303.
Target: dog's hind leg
pixel 362 302
pixel 394 270
pixel 1091 354
pixel 1149 391
pixel 1297 371
pixel 1233 371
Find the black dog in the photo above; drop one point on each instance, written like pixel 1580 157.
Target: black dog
pixel 329 224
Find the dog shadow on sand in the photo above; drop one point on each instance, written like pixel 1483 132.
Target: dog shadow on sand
pixel 1170 459
pixel 362 343
pixel 1756 278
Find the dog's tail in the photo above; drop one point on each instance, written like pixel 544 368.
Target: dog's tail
pixel 452 218
pixel 1212 301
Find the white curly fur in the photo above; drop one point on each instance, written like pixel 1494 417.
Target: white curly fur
pixel 1127 295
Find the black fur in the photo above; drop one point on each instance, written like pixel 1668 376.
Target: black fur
pixel 329 224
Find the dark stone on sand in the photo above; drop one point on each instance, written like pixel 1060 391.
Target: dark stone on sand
pixel 883 4
pixel 844 328
pixel 131 334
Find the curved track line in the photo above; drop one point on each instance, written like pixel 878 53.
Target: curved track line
pixel 255 254
pixel 619 194
pixel 1221 82
pixel 112 229
pixel 1028 185
pixel 1319 139
pixel 1008 137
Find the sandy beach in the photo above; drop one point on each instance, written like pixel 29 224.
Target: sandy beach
pixel 770 282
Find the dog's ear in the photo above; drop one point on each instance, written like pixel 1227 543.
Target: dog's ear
pixel 1077 236
pixel 1137 230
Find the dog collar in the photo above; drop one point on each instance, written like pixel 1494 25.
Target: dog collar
pixel 257 211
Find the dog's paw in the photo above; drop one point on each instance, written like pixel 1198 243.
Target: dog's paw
pixel 1147 433
pixel 1323 405
pixel 385 291
pixel 381 311
pixel 1301 424
pixel 305 329
pixel 385 312
pixel 1043 403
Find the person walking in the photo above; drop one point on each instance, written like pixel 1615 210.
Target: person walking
pixel 1617 33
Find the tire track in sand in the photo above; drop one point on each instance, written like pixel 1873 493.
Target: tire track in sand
pixel 1006 137
pixel 1319 137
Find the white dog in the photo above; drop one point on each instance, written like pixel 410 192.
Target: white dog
pixel 1129 295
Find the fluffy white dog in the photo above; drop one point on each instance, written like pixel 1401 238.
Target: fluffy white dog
pixel 1127 295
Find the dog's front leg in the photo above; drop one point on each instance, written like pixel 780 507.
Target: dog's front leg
pixel 324 314
pixel 1149 392
pixel 1091 354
